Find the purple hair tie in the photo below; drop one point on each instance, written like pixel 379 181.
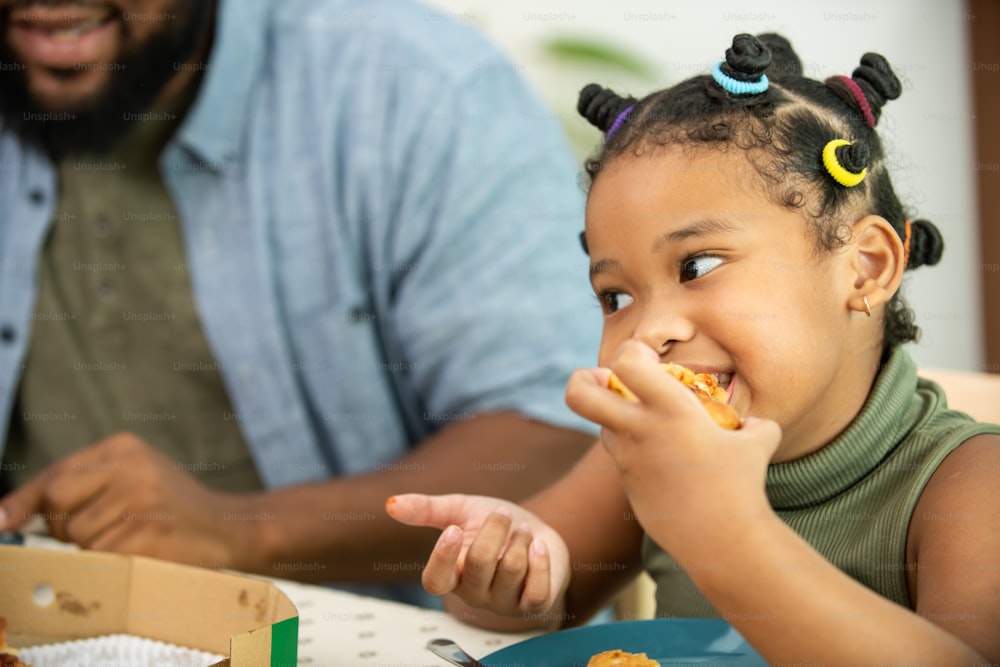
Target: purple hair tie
pixel 859 97
pixel 618 122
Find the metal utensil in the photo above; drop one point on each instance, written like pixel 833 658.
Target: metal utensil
pixel 450 651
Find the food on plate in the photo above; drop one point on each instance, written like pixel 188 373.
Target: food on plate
pixel 8 655
pixel 11 660
pixel 619 658
pixel 704 386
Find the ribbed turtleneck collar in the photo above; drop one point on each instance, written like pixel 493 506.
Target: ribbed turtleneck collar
pixel 884 420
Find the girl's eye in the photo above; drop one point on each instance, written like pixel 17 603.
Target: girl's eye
pixel 696 267
pixel 612 302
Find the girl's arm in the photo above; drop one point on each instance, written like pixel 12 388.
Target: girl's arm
pixel 591 513
pixel 795 607
pixel 954 546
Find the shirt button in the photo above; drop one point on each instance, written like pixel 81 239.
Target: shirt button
pixel 7 334
pixel 36 196
pixel 106 292
pixel 101 226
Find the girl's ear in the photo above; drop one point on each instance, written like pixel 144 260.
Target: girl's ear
pixel 876 261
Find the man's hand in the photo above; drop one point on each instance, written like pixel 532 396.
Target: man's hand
pixel 123 495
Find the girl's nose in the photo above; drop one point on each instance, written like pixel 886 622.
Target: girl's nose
pixel 660 330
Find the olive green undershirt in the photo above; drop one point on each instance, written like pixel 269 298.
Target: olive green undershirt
pixel 116 341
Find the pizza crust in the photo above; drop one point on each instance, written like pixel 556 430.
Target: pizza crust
pixel 8 654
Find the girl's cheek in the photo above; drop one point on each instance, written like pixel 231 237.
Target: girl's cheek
pixel 611 339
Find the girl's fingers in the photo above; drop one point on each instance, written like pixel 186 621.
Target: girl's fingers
pixel 638 366
pixel 417 509
pixel 440 575
pixel 596 403
pixel 762 433
pixel 512 569
pixel 538 584
pixel 482 557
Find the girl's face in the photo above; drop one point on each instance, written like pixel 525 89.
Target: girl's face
pixel 690 257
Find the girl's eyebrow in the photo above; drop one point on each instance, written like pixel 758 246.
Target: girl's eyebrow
pixel 695 229
pixel 604 265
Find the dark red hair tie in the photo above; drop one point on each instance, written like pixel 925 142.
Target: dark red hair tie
pixel 859 97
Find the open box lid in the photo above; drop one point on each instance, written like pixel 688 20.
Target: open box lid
pixel 53 595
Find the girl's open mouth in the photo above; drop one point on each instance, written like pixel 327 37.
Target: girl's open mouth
pixel 726 381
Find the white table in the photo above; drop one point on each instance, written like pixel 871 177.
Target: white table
pixel 337 628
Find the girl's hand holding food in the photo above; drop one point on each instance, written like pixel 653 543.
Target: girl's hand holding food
pixel 687 478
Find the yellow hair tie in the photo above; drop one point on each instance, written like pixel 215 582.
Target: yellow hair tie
pixel 846 178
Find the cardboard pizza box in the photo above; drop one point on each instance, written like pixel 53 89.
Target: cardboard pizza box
pixel 53 595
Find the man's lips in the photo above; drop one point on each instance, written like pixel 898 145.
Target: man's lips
pixel 63 36
pixel 65 20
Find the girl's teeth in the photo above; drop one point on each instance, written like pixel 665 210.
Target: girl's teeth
pixel 723 379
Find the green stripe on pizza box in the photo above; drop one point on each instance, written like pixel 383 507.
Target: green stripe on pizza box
pixel 285 643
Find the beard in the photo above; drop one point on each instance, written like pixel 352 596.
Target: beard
pixel 98 121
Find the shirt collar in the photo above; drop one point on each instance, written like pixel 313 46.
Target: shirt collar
pixel 215 124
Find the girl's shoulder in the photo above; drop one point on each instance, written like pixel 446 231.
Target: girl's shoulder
pixel 966 476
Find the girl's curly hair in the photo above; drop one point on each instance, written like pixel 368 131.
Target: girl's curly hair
pixel 784 130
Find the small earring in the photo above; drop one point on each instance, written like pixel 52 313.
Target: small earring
pixel 868 307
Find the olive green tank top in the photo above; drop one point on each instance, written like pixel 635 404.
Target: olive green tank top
pixel 853 499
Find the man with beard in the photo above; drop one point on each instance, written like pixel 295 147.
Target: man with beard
pixel 264 264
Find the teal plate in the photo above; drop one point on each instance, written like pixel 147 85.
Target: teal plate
pixel 671 641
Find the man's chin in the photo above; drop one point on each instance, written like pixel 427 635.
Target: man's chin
pixel 69 134
pixel 70 92
pixel 63 117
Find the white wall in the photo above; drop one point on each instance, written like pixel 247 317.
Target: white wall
pixel 927 130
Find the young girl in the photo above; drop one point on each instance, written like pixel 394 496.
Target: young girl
pixel 743 224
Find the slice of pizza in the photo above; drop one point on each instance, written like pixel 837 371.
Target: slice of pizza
pixel 713 397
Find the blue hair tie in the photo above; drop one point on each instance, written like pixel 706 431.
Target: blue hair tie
pixel 737 87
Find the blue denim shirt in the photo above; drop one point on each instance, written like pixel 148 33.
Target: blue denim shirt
pixel 380 223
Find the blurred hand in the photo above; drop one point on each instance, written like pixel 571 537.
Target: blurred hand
pixel 123 495
pixel 492 555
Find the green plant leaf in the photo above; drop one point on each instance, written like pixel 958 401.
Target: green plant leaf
pixel 586 51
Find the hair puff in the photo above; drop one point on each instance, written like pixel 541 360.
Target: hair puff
pixel 747 58
pixel 926 244
pixel 853 157
pixel 785 63
pixel 601 106
pixel 880 84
